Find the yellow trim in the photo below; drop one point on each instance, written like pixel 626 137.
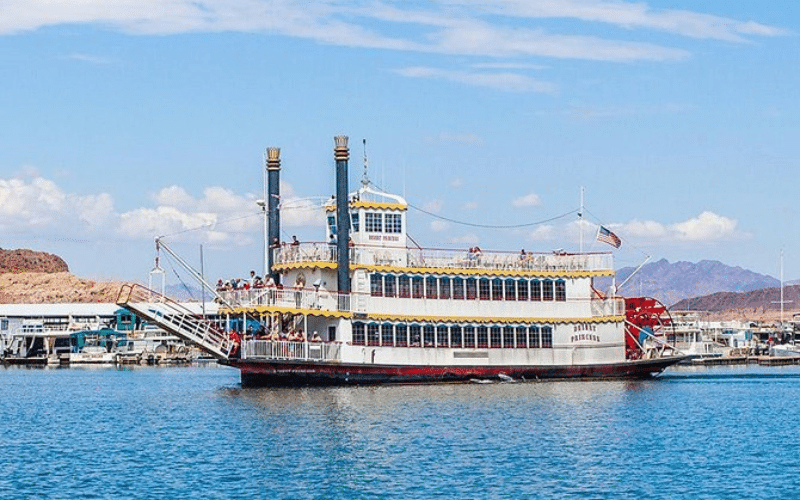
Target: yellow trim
pixel 309 264
pixel 282 310
pixel 375 205
pixel 475 271
pixel 466 319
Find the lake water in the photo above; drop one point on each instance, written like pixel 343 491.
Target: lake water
pixel 193 432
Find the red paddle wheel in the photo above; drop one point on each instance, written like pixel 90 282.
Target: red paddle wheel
pixel 645 316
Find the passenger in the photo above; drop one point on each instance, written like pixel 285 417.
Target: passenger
pixel 332 247
pixel 220 285
pixel 299 337
pixel 315 337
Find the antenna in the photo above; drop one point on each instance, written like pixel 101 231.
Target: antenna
pixel 365 179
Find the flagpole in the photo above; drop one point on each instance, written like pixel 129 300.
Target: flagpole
pixel 580 223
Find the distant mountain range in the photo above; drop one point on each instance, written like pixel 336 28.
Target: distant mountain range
pixel 672 282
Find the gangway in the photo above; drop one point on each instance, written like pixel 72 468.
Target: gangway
pixel 176 319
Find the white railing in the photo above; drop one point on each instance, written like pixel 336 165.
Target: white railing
pixel 449 259
pixel 314 351
pixel 608 307
pixel 298 298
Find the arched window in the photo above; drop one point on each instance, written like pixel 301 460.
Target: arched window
pixel 534 340
pixel 485 289
pixel 536 290
pixel 483 336
pixel 508 336
pixel 561 290
pixel 522 289
pixel 387 334
pixel 496 336
pixel 431 291
pixel 403 286
pixel 455 336
pixel 415 336
pixel 511 289
pixel 547 290
pixel 497 289
pixel 444 287
pixel 401 335
pixel 358 333
pixel 417 287
pixel 522 336
pixel 547 336
pixel 441 336
pixel 389 285
pixel 458 288
pixel 376 285
pixel 469 336
pixel 472 289
pixel 373 337
pixel 428 336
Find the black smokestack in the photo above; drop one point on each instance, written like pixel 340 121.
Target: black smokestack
pixel 273 197
pixel 341 154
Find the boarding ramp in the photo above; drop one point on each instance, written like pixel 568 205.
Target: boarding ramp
pixel 176 319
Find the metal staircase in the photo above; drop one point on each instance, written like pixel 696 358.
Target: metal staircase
pixel 176 319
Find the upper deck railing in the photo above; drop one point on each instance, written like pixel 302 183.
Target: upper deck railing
pixel 426 258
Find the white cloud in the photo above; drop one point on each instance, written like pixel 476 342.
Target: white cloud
pixel 470 205
pixel 508 82
pixel 707 226
pixel 529 200
pixel 642 229
pixel 457 27
pixel 465 239
pixel 434 206
pixel 89 58
pixel 439 226
pixel 544 232
pixel 456 183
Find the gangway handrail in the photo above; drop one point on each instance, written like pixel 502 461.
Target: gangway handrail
pixel 176 318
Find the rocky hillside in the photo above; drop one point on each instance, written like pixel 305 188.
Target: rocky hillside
pixel 29 277
pixel 764 304
pixel 673 282
pixel 22 261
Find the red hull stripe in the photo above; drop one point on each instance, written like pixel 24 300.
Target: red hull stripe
pixel 268 373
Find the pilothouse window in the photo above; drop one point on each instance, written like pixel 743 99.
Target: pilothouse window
pixel 393 223
pixel 373 222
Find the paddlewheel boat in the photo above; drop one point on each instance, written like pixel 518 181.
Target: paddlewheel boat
pixel 367 308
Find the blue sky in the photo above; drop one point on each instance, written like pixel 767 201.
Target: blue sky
pixel 123 120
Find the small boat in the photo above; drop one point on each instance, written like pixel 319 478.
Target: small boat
pixel 384 310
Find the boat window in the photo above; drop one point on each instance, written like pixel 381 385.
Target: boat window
pixel 497 289
pixel 354 221
pixel 483 336
pixel 511 289
pixel 496 336
pixel 401 335
pixel 403 286
pixel 387 334
pixel 444 288
pixel 430 288
pixel 547 336
pixel 389 285
pixel 332 224
pixel 469 336
pixel 417 287
pixel 547 289
pixel 472 288
pixel 358 333
pixel 455 336
pixel 428 335
pixel 414 334
pixel 522 336
pixel 561 290
pixel 441 336
pixel 508 336
pixel 373 222
pixel 376 285
pixel 372 334
pixel 536 290
pixel 483 289
pixel 533 337
pixel 522 289
pixel 458 288
pixel 394 223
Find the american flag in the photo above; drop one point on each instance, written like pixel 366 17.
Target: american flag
pixel 607 236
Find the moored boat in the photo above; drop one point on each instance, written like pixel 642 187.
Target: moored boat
pixel 362 306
